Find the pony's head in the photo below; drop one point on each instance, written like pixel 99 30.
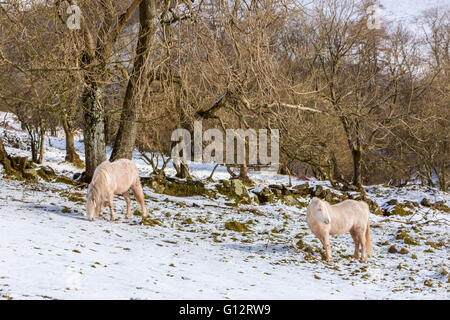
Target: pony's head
pixel 91 205
pixel 320 210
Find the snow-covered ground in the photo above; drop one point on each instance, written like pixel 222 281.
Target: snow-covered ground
pixel 49 250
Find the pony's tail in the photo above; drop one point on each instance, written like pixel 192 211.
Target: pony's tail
pixel 368 241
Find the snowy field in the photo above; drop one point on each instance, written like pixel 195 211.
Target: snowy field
pixel 49 250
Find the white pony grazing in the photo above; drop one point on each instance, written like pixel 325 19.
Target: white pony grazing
pixel 112 178
pixel 351 216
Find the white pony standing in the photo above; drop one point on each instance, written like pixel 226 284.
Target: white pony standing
pixel 351 216
pixel 112 178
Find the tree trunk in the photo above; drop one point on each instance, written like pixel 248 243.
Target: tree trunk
pixel 182 169
pixel 71 154
pixel 41 146
pixel 94 135
pixel 132 104
pixel 3 154
pixel 356 154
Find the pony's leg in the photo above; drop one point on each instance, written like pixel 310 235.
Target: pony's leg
pixel 99 209
pixel 355 240
pixel 126 195
pixel 325 239
pixel 111 205
pixel 139 195
pixel 362 239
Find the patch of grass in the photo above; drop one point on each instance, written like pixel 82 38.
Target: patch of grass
pixel 392 249
pixel 435 245
pixel 151 222
pixel 402 234
pixel 236 226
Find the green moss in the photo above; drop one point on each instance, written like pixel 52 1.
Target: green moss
pixel 151 222
pixel 435 245
pixel 66 210
pixel 176 187
pixel 66 180
pixel 399 210
pixel 236 226
pixel 305 247
pixel 76 197
pixel 228 190
pixel 275 230
pixel 188 221
pixel 407 239
pixel 392 249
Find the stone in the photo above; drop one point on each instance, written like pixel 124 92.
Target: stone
pixel 425 202
pixel 264 195
pixel 290 200
pixel 238 187
pixel 31 175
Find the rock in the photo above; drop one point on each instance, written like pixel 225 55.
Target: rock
pixel 328 195
pixel 176 187
pixel 46 173
pixel 159 188
pixel 277 193
pixel 77 176
pixel 20 163
pixel 319 192
pixel 399 209
pixel 66 180
pixel 276 186
pixel 31 175
pixel 238 188
pixel 392 202
pixel 403 251
pixel 301 189
pixel 425 202
pixel 290 200
pixel 352 188
pixel 235 190
pixel 264 195
pixel 374 207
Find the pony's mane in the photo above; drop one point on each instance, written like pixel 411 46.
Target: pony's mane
pixel 96 186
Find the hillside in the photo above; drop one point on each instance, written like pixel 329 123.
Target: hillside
pixel 213 243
